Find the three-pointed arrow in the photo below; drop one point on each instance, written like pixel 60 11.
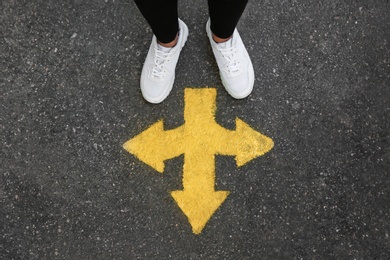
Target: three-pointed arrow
pixel 200 139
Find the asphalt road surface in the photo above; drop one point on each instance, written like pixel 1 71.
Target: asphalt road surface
pixel 70 99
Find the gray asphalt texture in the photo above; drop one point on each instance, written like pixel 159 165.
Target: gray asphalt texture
pixel 70 98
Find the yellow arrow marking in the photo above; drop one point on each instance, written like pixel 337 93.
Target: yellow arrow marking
pixel 199 139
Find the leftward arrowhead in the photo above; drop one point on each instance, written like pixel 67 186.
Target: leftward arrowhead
pixel 153 146
pixel 252 143
pixel 199 206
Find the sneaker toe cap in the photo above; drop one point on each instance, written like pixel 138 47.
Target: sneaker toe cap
pixel 241 86
pixel 154 91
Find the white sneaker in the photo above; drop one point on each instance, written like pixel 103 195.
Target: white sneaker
pixel 158 72
pixel 235 66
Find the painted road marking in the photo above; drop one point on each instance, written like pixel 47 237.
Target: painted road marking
pixel 200 138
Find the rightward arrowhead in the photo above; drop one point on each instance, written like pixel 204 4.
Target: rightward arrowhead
pixel 154 145
pixel 199 206
pixel 252 143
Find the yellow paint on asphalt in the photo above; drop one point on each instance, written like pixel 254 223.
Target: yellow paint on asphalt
pixel 199 139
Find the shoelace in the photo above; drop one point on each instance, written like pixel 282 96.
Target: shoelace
pixel 229 53
pixel 159 59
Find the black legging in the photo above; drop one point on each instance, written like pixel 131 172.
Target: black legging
pixel 162 17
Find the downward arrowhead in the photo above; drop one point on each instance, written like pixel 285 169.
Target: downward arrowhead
pixel 199 206
pixel 253 143
pixel 154 145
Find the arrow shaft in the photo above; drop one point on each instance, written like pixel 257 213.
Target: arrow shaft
pixel 228 142
pixel 200 107
pixel 171 143
pixel 198 172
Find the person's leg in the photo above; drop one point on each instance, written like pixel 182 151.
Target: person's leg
pixel 162 17
pixel 224 16
pixel 235 66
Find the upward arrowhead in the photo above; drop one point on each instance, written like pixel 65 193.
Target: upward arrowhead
pixel 199 206
pixel 154 145
pixel 252 143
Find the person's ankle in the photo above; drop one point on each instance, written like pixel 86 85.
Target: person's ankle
pixel 220 40
pixel 170 44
